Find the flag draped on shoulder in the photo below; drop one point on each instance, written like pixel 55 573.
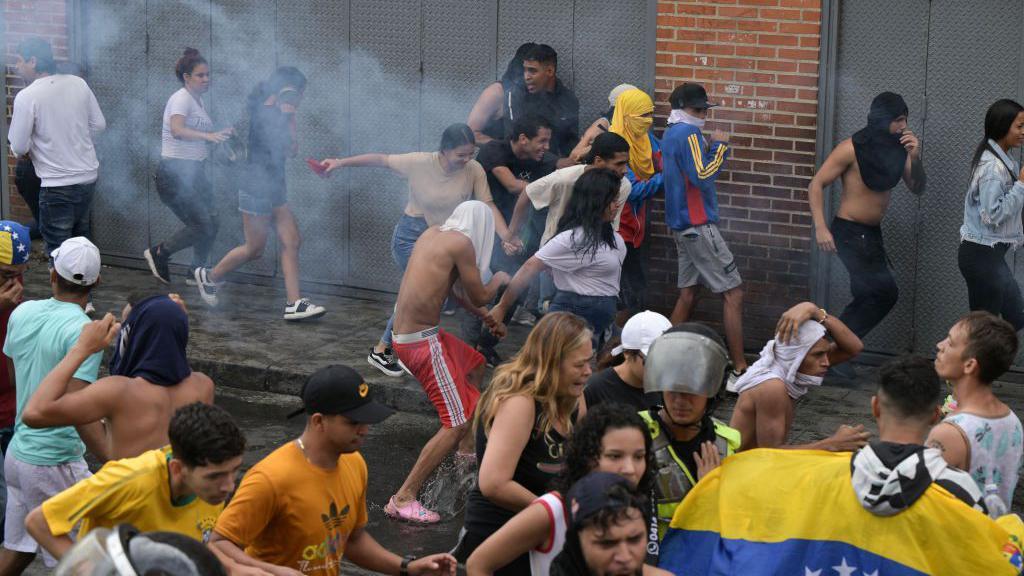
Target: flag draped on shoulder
pixel 796 512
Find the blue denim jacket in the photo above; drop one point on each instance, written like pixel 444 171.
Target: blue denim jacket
pixel 992 208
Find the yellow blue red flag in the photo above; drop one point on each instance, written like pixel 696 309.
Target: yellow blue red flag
pixel 795 512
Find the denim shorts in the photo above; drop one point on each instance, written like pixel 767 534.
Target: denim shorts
pixel 261 191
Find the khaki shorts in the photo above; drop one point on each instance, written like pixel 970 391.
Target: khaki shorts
pixel 704 257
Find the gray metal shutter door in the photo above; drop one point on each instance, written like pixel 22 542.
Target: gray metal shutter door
pixel 866 67
pixel 965 75
pixel 117 67
pixel 313 35
pixel 383 113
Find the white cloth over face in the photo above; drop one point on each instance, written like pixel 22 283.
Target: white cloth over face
pixel 782 361
pixel 475 220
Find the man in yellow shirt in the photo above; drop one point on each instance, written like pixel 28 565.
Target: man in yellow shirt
pixel 179 488
pixel 303 507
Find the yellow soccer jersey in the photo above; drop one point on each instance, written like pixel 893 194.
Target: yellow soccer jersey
pixel 134 491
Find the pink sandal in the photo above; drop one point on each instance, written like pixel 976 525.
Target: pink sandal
pixel 411 512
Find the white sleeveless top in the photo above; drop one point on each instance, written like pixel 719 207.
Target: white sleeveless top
pixel 541 558
pixel 996 451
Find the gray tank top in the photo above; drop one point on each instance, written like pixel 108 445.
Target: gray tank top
pixel 996 452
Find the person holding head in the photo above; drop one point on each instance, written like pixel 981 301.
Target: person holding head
pixel 438 182
pixel 448 260
pixel 893 506
pixel 43 462
pixel 263 192
pixel 179 488
pixel 124 551
pixel 609 438
pixel 486 119
pixel 607 530
pixel 585 258
pixel 692 165
pixel 992 216
pixel 302 509
pixel 149 379
pixel 181 177
pixel 599 126
pixel 522 422
pixel 633 118
pixel 623 383
pixel 790 364
pixel 982 436
pixel 870 163
pixel 685 367
pixel 53 121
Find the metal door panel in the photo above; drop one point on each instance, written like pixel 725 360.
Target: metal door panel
pixel 875 55
pixel 384 106
pixel 242 55
pixel 609 48
pixel 171 26
pixel 117 75
pixel 313 36
pixel 958 64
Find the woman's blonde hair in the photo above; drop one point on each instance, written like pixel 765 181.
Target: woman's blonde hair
pixel 536 371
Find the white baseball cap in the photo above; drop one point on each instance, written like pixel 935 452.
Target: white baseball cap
pixel 78 261
pixel 641 330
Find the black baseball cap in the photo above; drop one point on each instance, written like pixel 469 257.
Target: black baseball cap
pixel 338 389
pixel 689 95
pixel 589 495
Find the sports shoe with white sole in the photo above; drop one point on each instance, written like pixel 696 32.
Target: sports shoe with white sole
pixel 158 263
pixel 386 362
pixel 523 317
pixel 303 309
pixel 730 384
pixel 207 288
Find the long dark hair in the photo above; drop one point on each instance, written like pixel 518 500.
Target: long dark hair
pixel 998 119
pixel 187 63
pixel 514 71
pixel 283 77
pixel 583 448
pixel 591 195
pixel 456 135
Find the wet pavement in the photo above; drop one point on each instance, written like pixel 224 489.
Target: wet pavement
pixel 258 362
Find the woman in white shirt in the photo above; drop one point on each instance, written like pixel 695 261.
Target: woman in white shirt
pixel 585 257
pixel 181 178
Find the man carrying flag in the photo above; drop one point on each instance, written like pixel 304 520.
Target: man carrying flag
pixel 887 509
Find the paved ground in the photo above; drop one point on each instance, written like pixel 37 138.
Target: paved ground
pixel 258 362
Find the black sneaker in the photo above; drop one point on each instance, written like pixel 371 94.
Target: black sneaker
pixel 386 362
pixel 491 356
pixel 303 309
pixel 158 263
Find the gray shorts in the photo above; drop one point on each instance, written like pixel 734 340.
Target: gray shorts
pixel 704 257
pixel 28 486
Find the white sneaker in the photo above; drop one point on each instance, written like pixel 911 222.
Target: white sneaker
pixel 207 288
pixel 303 309
pixel 730 384
pixel 89 308
pixel 523 317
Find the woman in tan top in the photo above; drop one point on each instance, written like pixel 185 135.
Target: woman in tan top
pixel 438 182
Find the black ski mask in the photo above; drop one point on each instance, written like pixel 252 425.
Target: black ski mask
pixel 880 155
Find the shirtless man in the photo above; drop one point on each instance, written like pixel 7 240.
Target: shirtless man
pixel 449 259
pixel 871 163
pixel 796 359
pixel 150 378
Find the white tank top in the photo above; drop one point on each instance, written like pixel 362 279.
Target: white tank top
pixel 541 558
pixel 996 451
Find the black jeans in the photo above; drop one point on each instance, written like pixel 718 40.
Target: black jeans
pixel 633 281
pixel 184 188
pixel 28 187
pixel 990 282
pixel 873 288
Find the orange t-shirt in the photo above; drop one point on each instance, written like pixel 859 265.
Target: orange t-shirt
pixel 288 512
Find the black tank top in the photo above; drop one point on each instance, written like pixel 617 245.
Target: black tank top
pixel 538 465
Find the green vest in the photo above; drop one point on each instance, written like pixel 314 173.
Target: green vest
pixel 672 480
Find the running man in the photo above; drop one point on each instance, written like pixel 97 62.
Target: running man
pixel 453 258
pixel 871 163
pixel 149 378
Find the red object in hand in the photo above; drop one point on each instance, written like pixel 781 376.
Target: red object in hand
pixel 317 167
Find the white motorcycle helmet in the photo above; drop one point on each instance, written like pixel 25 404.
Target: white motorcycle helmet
pixel 124 551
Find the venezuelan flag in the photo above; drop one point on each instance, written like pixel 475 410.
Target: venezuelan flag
pixel 795 512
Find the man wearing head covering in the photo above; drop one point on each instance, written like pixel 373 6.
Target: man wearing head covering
pixel 791 364
pixel 149 379
pixel 633 117
pixel 450 259
pixel 871 163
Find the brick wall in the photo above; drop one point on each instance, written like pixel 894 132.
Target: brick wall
pixel 759 58
pixel 22 19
